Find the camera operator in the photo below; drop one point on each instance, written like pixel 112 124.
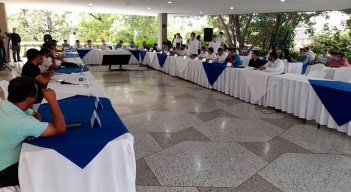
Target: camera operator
pixel 16 47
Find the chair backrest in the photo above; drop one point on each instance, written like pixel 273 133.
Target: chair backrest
pixel 317 71
pixel 4 85
pixel 343 74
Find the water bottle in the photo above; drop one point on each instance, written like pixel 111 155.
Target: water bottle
pixel 81 76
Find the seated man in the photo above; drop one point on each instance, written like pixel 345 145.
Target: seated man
pixel 31 69
pixel 48 62
pixel 176 50
pixel 18 122
pixel 65 45
pixel 255 61
pixel 89 45
pixel 211 55
pixel 324 58
pixel 310 54
pixel 77 45
pixel 274 64
pixel 203 53
pixel 221 56
pixel 302 57
pixel 104 46
pixel 119 45
pixel 183 51
pixel 338 61
pixel 143 46
pixel 233 58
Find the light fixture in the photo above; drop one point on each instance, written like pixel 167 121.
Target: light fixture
pixel 282 0
pixel 231 8
pixel 170 2
pixel 149 8
pixel 200 12
pixel 90 4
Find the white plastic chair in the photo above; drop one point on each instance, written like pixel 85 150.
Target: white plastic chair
pixel 343 74
pixel 317 71
pixel 4 85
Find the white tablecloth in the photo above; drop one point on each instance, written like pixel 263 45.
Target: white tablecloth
pixel 294 68
pixel 113 169
pixel 95 56
pixel 289 92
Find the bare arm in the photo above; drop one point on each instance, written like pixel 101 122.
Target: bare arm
pixel 59 125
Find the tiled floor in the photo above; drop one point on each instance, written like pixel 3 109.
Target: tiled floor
pixel 191 139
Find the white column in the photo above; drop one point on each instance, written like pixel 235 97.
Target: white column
pixel 3 18
pixel 162 28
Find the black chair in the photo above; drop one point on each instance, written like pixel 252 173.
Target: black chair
pixel 116 60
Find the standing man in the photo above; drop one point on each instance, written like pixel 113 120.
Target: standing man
pixel 220 40
pixel 193 47
pixel 16 47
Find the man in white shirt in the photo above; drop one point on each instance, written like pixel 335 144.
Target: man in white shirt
pixel 221 56
pixel 177 39
pixel 274 64
pixel 220 40
pixel 183 51
pixel 309 53
pixel 104 46
pixel 193 47
pixel 211 55
pixel 214 44
pixel 77 44
pixel 203 53
pixel 48 63
pixel 72 38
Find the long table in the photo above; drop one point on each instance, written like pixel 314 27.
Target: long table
pixel 95 56
pixel 82 159
pixel 288 92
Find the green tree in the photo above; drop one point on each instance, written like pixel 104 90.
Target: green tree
pixel 34 24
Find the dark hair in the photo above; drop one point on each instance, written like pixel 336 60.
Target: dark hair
pixel 256 52
pixel 232 49
pixel 220 49
pixel 307 48
pixel 203 48
pixel 286 52
pixel 44 51
pixel 274 55
pixel 302 49
pixel 221 33
pixel 32 54
pixel 20 88
pixel 177 44
pixel 210 49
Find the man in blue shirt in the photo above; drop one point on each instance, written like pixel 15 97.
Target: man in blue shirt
pixel 233 58
pixel 119 45
pixel 18 122
pixel 302 57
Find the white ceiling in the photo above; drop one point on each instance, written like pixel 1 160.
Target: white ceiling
pixel 181 7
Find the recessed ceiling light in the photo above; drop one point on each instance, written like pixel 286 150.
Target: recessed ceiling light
pixel 149 8
pixel 231 8
pixel 170 2
pixel 282 0
pixel 90 4
pixel 200 12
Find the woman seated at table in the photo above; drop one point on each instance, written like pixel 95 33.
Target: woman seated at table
pixel 255 61
pixel 338 61
pixel 285 55
pixel 274 64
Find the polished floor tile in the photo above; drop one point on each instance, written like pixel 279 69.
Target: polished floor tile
pixel 229 101
pixel 208 116
pixel 294 172
pixel 238 130
pixel 321 140
pixel 199 163
pixel 255 184
pixel 165 189
pixel 194 105
pixel 285 123
pixel 249 111
pixel 169 139
pixel 155 121
pixel 144 175
pixel 272 149
pixel 145 145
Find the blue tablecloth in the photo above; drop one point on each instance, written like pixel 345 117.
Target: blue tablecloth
pixel 213 71
pixel 71 55
pixel 142 55
pixel 161 59
pixel 336 97
pixel 69 70
pixel 81 145
pixel 136 53
pixel 83 52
